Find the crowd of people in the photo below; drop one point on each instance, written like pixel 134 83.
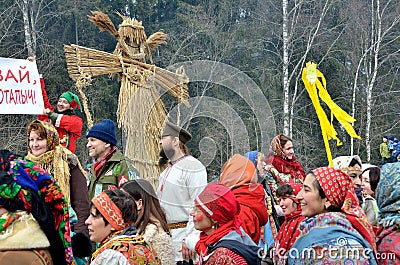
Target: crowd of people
pixel 263 209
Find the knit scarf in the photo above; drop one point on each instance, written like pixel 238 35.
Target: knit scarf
pixel 55 162
pixel 99 164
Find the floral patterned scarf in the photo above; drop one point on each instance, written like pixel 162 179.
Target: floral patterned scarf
pixel 339 190
pixel 28 187
pixel 131 245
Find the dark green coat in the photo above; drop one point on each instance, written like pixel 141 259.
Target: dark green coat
pixel 116 171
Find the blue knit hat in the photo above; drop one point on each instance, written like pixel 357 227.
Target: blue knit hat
pixel 105 131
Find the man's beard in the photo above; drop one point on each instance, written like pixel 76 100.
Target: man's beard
pixel 165 156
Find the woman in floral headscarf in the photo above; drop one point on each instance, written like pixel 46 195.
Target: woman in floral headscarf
pixel 388 200
pixel 336 229
pixel 282 166
pixel 44 150
pixel 34 220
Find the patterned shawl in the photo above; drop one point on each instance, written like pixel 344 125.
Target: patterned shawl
pixel 388 195
pixel 54 160
pixel 128 243
pixel 339 190
pixel 330 238
pixel 284 165
pixel 28 187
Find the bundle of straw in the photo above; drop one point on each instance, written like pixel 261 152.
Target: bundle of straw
pixel 82 60
pixel 140 110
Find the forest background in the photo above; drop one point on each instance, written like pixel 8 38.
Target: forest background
pixel 356 44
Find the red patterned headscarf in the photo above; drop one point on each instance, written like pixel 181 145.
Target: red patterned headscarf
pixel 110 211
pixel 339 190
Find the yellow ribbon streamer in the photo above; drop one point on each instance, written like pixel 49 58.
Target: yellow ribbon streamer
pixel 310 77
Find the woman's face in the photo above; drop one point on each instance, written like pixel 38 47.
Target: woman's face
pixel 201 221
pixel 37 144
pixel 355 176
pixel 366 186
pixel 310 200
pixel 288 150
pixel 98 230
pixel 288 205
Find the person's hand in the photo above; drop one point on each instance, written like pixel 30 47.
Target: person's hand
pixel 31 58
pixel 46 111
pixel 186 253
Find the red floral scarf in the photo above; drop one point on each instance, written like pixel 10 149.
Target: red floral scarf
pixel 339 190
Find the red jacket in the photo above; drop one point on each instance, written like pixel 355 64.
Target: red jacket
pixel 69 127
pixel 253 209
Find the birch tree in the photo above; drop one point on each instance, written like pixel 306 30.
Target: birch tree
pixel 301 33
pixel 377 45
pixel 36 15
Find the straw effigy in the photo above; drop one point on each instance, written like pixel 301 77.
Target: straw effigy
pixel 140 110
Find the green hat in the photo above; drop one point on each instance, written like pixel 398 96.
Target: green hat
pixel 171 129
pixel 72 99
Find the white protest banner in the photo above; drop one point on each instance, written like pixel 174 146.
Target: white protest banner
pixel 20 91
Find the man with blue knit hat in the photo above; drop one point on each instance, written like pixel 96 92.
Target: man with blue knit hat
pixel 110 167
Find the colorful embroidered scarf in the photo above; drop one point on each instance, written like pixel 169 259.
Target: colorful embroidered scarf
pixel 388 195
pixel 330 238
pixel 28 187
pixel 99 164
pixel 238 171
pixel 132 246
pixel 277 158
pixel 289 231
pixel 110 211
pixel 339 190
pixel 54 160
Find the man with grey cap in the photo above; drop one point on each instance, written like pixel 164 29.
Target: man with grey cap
pixel 179 184
pixel 110 167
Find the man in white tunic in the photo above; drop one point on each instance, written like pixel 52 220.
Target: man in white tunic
pixel 179 184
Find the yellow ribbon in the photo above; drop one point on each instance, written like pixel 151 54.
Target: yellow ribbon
pixel 310 77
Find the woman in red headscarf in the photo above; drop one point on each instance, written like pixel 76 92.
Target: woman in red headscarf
pixel 289 231
pixel 222 240
pixel 282 166
pixel 336 229
pixel 240 175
